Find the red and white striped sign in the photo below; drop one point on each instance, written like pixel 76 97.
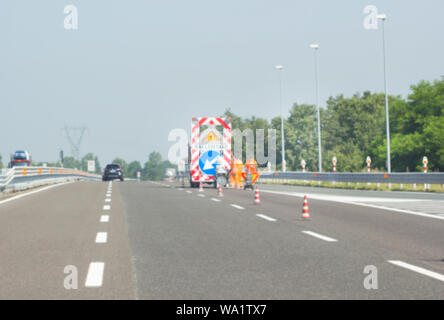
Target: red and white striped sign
pixel 425 161
pixel 369 161
pixel 303 165
pixel 334 160
pixel 196 147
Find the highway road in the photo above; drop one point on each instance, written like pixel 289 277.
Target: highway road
pixel 158 240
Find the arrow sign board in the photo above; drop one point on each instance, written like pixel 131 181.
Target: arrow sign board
pixel 254 177
pixel 208 162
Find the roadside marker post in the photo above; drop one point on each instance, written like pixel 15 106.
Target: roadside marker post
pixel 303 167
pixel 369 161
pixel 425 161
pixel 334 160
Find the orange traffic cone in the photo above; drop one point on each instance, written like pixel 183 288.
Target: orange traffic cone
pixel 219 191
pixel 257 198
pixel 200 187
pixel 305 211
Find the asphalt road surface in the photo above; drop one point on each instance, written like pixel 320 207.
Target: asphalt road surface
pixel 151 240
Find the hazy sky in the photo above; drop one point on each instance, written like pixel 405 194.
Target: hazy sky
pixel 134 70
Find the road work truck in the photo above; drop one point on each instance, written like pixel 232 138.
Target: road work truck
pixel 209 153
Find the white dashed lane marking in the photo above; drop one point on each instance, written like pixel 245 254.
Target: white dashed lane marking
pixel 101 237
pixel 263 216
pixel 106 207
pixel 319 236
pixel 104 218
pixel 95 274
pixel 237 207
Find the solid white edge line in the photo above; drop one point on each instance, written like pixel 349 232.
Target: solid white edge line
pixel 263 216
pixel 33 192
pixel 237 207
pixel 420 270
pixel 101 237
pixel 421 214
pixel 319 236
pixel 95 274
pixel 104 218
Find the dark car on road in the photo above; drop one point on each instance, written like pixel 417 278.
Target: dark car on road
pixel 112 171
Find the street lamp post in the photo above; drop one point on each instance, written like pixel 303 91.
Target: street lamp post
pixel 316 47
pixel 383 17
pixel 284 165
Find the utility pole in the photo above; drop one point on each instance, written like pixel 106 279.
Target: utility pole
pixel 284 164
pixel 383 17
pixel 316 47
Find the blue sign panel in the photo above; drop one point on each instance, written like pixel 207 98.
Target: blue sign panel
pixel 208 162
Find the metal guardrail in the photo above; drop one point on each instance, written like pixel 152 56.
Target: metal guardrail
pixel 407 178
pixel 6 177
pixel 26 174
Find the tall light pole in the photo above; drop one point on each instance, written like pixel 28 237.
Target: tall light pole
pixel 383 17
pixel 284 164
pixel 316 47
